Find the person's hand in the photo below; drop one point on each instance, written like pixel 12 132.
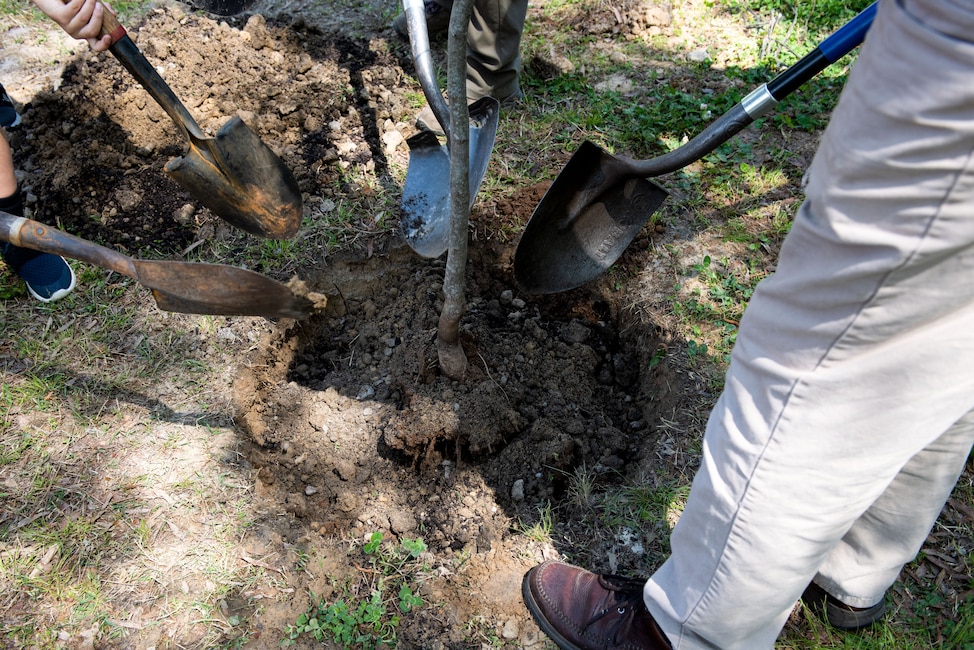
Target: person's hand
pixel 80 19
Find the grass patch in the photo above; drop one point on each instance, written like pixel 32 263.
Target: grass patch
pixel 541 529
pixel 367 614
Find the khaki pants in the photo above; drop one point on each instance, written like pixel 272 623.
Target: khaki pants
pixel 846 416
pixel 493 47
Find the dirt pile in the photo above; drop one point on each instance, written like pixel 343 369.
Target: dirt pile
pixel 96 146
pixel 349 426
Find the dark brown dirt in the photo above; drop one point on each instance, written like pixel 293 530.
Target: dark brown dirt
pixel 349 426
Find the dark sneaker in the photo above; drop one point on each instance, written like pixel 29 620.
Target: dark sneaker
pixel 9 117
pixel 581 610
pixel 838 614
pixel 48 277
pixel 437 19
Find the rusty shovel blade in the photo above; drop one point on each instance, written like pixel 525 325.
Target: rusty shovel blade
pixel 235 175
pixel 218 289
pixel 187 287
pixel 240 179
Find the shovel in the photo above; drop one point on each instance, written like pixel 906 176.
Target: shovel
pixel 234 174
pixel 599 202
pixel 425 221
pixel 187 287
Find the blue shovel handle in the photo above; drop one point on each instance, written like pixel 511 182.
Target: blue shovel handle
pixel 761 100
pixel 833 48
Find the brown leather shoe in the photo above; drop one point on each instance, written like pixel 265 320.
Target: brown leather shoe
pixel 580 610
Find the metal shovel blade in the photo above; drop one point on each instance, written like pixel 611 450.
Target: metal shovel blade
pixel 557 255
pixel 598 203
pixel 425 220
pixel 235 174
pixel 187 287
pixel 218 289
pixel 240 179
pixel 426 214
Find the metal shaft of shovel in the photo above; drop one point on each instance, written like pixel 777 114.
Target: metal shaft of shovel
pixel 187 287
pixel 234 174
pixel 425 221
pixel 599 202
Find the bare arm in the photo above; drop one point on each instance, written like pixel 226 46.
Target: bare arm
pixel 79 18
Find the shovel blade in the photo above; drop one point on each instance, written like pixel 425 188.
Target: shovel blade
pixel 557 254
pixel 242 181
pixel 484 115
pixel 218 289
pixel 426 202
pixel 425 220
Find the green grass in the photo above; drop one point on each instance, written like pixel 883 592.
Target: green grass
pixel 805 20
pixel 541 529
pixel 367 615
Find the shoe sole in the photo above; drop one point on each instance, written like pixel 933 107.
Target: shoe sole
pixel 850 620
pixel 836 614
pixel 539 618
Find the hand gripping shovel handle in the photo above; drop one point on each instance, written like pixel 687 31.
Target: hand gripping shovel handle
pixel 763 99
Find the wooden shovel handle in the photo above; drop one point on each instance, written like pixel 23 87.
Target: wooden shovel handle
pixel 111 26
pixel 27 233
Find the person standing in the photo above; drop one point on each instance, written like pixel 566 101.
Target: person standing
pixel 847 414
pixel 48 277
pixel 493 44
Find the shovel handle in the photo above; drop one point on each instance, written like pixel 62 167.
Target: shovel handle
pixel 762 99
pixel 419 43
pixel 27 233
pixel 129 55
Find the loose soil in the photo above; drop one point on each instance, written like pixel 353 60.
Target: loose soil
pixel 344 424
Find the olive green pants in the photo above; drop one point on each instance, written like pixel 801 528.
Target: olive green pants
pixel 493 47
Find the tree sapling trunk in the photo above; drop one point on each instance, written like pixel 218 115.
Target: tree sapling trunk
pixel 453 362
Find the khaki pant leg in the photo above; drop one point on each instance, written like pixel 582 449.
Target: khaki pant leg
pixel 850 384
pixel 493 48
